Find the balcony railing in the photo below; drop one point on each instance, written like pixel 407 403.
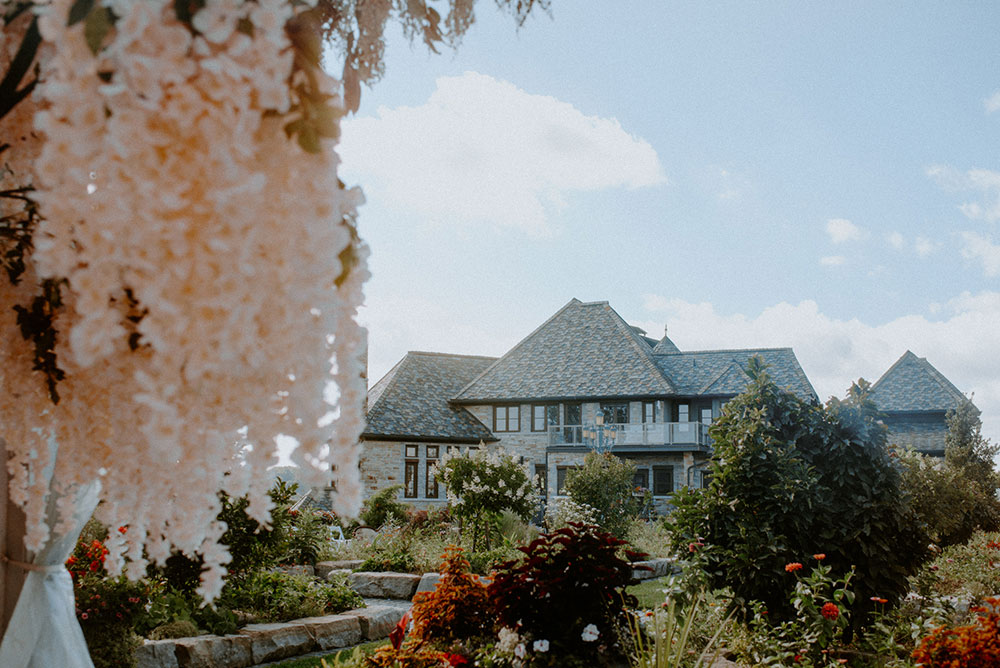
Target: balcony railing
pixel 625 435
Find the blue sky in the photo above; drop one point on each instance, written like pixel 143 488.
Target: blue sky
pixel 817 175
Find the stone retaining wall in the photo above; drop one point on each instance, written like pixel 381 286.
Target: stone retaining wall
pixel 654 568
pixel 260 643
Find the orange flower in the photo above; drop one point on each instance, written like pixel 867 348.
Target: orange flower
pixel 819 557
pixel 830 610
pixel 792 567
pixel 880 600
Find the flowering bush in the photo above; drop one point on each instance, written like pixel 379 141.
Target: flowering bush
pixel 481 485
pixel 569 590
pixel 561 512
pixel 976 645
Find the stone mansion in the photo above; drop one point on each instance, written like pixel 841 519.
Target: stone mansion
pixel 586 378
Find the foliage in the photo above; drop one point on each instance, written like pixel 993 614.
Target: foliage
pixel 664 637
pixel 822 612
pixel 649 537
pixel 482 485
pixel 105 606
pixel 382 508
pixel 561 512
pixel 568 590
pixel 181 628
pixel 970 569
pixel 457 609
pixel 967 451
pixel 792 478
pixel 276 596
pixel 976 645
pixel 605 484
pixel 251 546
pixel 940 496
pixel 304 540
pixel 407 656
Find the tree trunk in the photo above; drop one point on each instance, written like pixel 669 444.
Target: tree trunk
pixel 12 528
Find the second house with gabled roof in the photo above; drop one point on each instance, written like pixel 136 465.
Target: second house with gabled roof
pixel 915 400
pixel 584 379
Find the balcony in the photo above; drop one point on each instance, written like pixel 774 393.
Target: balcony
pixel 651 436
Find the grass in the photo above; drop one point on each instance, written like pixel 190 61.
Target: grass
pixel 333 658
pixel 649 592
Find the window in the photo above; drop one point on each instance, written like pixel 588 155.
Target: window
pixel 706 416
pixel 641 479
pixel 544 416
pixel 411 452
pixel 506 418
pixel 683 413
pixel 410 478
pixel 561 478
pixel 649 411
pixel 706 479
pixel 430 482
pixel 574 414
pixel 663 480
pixel 615 413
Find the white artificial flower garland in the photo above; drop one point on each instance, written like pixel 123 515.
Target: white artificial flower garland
pixel 206 305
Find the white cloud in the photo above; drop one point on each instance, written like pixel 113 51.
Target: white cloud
pixel 832 260
pixel 896 240
pixel 984 181
pixel 924 246
pixel 959 342
pixel 481 149
pixel 841 231
pixel 992 103
pixel 980 248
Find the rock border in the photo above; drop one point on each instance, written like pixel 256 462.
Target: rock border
pixel 262 643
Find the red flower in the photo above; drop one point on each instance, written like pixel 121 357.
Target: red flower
pixel 123 529
pixel 819 557
pixel 830 610
pixel 70 561
pixel 456 660
pixel 792 567
pixel 94 566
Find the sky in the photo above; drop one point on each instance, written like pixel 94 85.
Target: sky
pixel 817 175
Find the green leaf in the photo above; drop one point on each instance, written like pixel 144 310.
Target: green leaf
pixel 79 11
pixel 99 22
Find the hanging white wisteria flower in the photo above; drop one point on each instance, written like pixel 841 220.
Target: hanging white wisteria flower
pixel 201 272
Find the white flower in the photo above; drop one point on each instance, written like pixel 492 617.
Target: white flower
pixel 519 651
pixel 590 633
pixel 541 646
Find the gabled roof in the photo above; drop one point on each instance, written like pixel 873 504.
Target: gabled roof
pixel 723 372
pixel 412 399
pixel 912 384
pixel 584 350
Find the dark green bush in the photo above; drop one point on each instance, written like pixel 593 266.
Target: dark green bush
pixel 791 479
pixel 382 508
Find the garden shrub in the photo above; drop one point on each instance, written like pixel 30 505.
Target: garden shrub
pixel 792 478
pixel 605 485
pixel 383 508
pixel 276 596
pixel 457 609
pixel 182 628
pixel 940 496
pixel 304 539
pixel 976 645
pixel 482 485
pixel 567 595
pixel 105 606
pixel 972 568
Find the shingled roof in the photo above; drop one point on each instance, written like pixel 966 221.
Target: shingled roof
pixel 912 384
pixel 411 401
pixel 723 372
pixel 584 350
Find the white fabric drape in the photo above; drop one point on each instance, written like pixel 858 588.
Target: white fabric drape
pixel 43 631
